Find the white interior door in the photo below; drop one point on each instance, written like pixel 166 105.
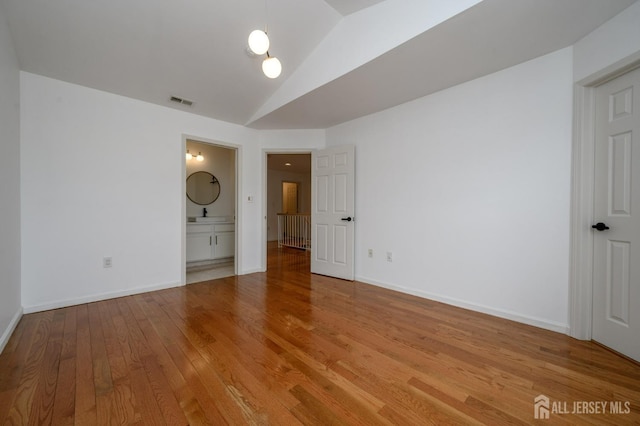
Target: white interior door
pixel 332 211
pixel 616 270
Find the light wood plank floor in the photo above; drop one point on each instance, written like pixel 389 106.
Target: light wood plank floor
pixel 286 347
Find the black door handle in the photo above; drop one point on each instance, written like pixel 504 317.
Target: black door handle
pixel 600 226
pixel 347 219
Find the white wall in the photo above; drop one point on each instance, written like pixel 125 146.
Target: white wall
pixel 102 175
pixel 469 188
pixel 220 162
pixel 292 140
pixel 10 305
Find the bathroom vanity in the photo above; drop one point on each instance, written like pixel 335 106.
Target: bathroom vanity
pixel 210 239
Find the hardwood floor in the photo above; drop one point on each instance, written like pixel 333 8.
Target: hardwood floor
pixel 286 347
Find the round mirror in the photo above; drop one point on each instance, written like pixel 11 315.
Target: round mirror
pixel 203 188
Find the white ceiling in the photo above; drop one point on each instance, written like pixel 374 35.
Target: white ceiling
pixel 154 49
pixel 347 7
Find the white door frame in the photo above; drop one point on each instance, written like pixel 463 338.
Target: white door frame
pixel 265 155
pixel 582 196
pixel 238 219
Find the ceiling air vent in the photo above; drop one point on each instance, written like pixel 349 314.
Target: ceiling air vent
pixel 181 101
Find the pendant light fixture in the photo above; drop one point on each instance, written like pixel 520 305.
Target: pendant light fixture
pixel 259 45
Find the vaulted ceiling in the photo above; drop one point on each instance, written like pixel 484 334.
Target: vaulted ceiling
pixel 342 59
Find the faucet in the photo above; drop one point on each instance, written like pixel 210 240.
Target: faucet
pixel 204 212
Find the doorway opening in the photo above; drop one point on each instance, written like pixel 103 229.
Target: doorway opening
pixel 288 201
pixel 210 206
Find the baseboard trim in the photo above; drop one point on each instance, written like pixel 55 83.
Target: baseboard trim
pixel 509 315
pixel 10 329
pixel 252 271
pixel 97 297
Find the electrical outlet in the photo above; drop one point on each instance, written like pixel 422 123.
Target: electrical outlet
pixel 389 256
pixel 370 252
pixel 107 262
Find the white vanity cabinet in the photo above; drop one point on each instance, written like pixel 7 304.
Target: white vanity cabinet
pixel 199 242
pixel 224 238
pixel 209 241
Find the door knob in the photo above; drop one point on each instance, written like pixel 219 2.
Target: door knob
pixel 600 226
pixel 347 219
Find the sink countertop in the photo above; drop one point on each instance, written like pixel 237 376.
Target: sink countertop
pixel 209 220
pixel 210 223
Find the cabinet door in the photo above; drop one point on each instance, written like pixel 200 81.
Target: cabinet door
pixel 225 245
pixel 198 247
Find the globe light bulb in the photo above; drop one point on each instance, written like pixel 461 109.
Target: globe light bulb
pixel 271 67
pixel 258 42
pixel 200 157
